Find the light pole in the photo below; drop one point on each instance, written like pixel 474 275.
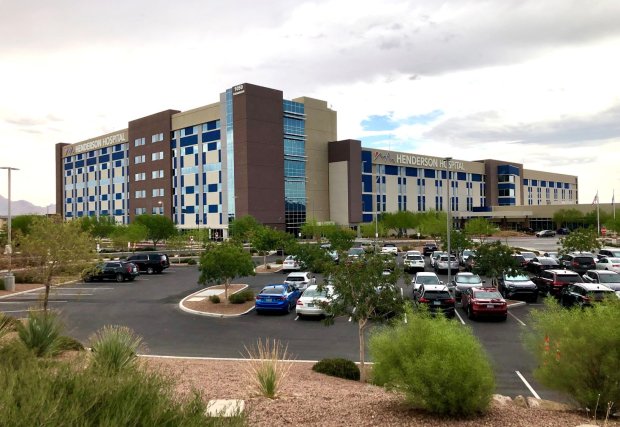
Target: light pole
pixel 9 280
pixel 448 222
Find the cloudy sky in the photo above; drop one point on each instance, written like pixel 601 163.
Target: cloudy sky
pixel 524 80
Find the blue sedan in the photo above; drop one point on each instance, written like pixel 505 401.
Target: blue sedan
pixel 279 297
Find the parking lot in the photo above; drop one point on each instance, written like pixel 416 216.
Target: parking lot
pixel 149 305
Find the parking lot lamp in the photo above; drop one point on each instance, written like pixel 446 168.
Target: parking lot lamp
pixel 448 222
pixel 9 280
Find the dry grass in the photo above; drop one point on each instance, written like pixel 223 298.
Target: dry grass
pixel 268 366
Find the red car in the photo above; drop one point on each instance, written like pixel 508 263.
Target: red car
pixel 484 302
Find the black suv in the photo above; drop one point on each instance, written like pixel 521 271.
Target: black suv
pixel 151 263
pixel 579 263
pixel 429 248
pixel 112 270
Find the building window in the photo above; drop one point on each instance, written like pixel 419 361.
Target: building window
pixel 157 156
pixel 139 159
pixel 140 194
pixel 157 174
pixel 139 141
pixel 157 138
pixel 158 192
pixel 140 176
pixel 140 211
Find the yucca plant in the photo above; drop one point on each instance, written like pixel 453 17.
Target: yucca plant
pixel 7 324
pixel 115 348
pixel 41 333
pixel 268 366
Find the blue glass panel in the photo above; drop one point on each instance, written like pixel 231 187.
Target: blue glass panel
pixel 461 176
pixel 429 173
pixel 118 156
pixel 476 177
pixel 79 164
pixel 104 158
pixel 212 146
pixel 367 203
pixel 188 209
pixel 566 185
pixel 212 208
pixel 391 170
pixel 189 140
pixel 189 130
pixel 212 125
pixel 411 171
pixel 213 135
pixel 68 166
pixel 367 218
pixel 366 156
pixel 505 185
pixel 526 182
pixel 91 161
pixel 212 188
pixel 543 183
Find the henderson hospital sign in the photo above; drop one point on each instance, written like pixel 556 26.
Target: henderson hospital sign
pixel 416 160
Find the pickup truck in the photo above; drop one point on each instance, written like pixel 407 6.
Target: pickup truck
pixel 389 248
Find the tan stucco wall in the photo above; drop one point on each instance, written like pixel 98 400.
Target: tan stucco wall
pixel 339 192
pixel 196 116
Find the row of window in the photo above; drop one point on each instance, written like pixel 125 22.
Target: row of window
pixel 156 192
pixel 154 138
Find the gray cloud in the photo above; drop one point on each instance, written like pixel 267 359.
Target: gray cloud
pixel 488 127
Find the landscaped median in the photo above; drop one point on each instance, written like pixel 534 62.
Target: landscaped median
pixel 203 302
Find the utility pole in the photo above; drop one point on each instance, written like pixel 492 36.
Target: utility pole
pixel 9 279
pixel 448 222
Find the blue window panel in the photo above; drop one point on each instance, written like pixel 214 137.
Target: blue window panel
pixel 196 162
pixel 526 182
pixel 104 197
pixel 543 183
pixel 212 125
pixel 367 183
pixel 212 146
pixel 104 150
pixel 173 143
pixel 204 198
pixel 186 141
pixel 391 170
pixel 79 164
pixel 212 188
pixel 104 159
pixel 411 171
pixel 366 156
pixel 366 166
pixel 505 185
pixel 182 200
pixel 189 150
pixel 68 166
pixel 429 173
pixel 367 203
pixel 91 161
pixel 189 130
pixel 91 198
pixel 367 218
pixel 211 136
pixel 118 196
pixel 219 157
pixel 566 185
pixel 189 189
pixel 461 176
pixel 476 177
pixel 104 212
pixel 118 212
pixel 220 198
pixel 80 199
pixel 399 181
pixel 118 156
pixel 182 161
pixel 174 163
pixel 188 209
pixel 212 208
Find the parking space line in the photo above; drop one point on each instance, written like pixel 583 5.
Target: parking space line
pixel 517 319
pixel 528 385
pixel 21 311
pixel 459 316
pixel 297 317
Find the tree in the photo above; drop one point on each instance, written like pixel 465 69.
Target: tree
pixel 99 228
pixel 367 229
pixel 580 240
pixel 399 221
pixel 264 239
pixel 373 295
pixel 494 259
pixel 158 227
pixel 242 228
pixel 566 217
pixel 479 228
pixel 221 263
pixel 458 241
pixel 340 238
pixel 124 235
pixel 311 256
pixel 21 224
pixel 55 246
pixel 433 223
pixel 177 242
pixel 311 229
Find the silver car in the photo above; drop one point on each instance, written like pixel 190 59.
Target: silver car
pixel 445 264
pixel 310 303
pixel 464 281
pixel 300 279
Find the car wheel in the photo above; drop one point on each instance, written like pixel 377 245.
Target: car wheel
pixel 504 318
pixel 149 270
pixel 119 277
pixel 258 311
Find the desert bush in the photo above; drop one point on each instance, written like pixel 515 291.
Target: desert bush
pixel 248 294
pixel 237 298
pixel 7 324
pixel 341 368
pixel 41 333
pixel 191 261
pixel 268 366
pixel 215 299
pixel 115 349
pixel 25 277
pixel 578 351
pixel 430 360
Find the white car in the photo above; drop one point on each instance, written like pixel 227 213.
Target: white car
pixel 301 280
pixel 435 256
pixel 442 263
pixel 309 303
pixel 291 264
pixel 466 254
pixel 389 248
pixel 413 261
pixel 424 278
pixel 609 263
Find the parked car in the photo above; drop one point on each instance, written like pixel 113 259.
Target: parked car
pixel 437 298
pixel 470 264
pixel 333 254
pixel 551 282
pixel 538 264
pixel 310 303
pixel 425 278
pixel 466 254
pixel 527 255
pixel 580 262
pixel 608 278
pixel 278 297
pixel 609 252
pixel 608 263
pixel 584 294
pixel 389 248
pixel 429 248
pixel 562 231
pixel 518 286
pixel 545 233
pixel 291 264
pixel 300 279
pixel 111 270
pixel 443 263
pixel 520 259
pixel 150 263
pixel 435 256
pixel 553 255
pixel 355 254
pixel 413 262
pixel 484 302
pixel 463 281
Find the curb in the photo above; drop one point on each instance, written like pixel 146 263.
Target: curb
pixel 37 289
pixel 209 314
pixel 272 270
pixel 517 304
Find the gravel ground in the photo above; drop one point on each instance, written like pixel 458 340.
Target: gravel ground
pixel 311 399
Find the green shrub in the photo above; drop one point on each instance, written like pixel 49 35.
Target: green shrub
pixel 438 364
pixel 341 368
pixel 583 350
pixel 7 324
pixel 115 349
pixel 70 343
pixel 1 284
pixel 237 298
pixel 41 333
pixel 247 294
pixel 191 261
pixel 25 277
pixel 268 366
pixel 215 299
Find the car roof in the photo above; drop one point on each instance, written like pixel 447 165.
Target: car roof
pixel 558 271
pixel 603 272
pixel 464 273
pixel 594 287
pixel 425 273
pixel 297 273
pixel 274 286
pixel 484 289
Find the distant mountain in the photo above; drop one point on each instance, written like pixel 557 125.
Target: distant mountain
pixel 23 207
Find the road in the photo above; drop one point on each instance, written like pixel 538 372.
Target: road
pixel 149 306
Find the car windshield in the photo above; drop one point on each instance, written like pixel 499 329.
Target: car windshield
pixel 468 279
pixel 487 295
pixel 437 295
pixel 584 259
pixel 295 279
pixel 273 291
pixel 427 280
pixel 389 245
pixel 518 278
pixel 414 257
pixel 314 293
pixel 609 278
pixel 467 253
pixel 356 251
pixel 528 255
pixel 569 278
